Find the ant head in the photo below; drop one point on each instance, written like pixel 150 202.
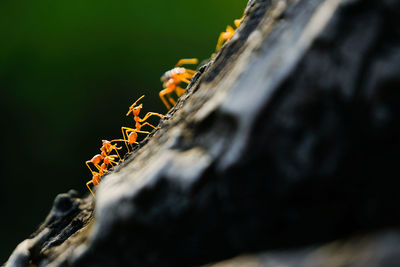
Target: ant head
pixel 166 76
pixel 109 159
pixel 106 144
pixel 133 106
pixel 137 109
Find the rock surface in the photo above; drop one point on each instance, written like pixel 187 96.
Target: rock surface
pixel 287 139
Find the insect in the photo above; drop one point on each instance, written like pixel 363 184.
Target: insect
pixel 95 180
pixel 172 78
pixel 106 149
pixel 130 134
pixel 95 161
pixel 108 160
pixel 227 34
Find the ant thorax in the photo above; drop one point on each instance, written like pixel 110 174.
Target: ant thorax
pixel 171 73
pixel 170 83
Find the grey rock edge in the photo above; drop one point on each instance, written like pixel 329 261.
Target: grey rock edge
pixel 284 143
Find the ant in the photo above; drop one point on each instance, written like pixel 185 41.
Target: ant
pixel 227 34
pixel 129 134
pixel 135 110
pixel 95 180
pixel 95 161
pixel 108 160
pixel 132 136
pixel 106 148
pixel 172 78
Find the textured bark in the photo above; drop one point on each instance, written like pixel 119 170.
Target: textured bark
pixel 288 138
pixel 378 249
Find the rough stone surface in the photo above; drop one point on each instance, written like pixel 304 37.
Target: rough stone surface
pixel 287 139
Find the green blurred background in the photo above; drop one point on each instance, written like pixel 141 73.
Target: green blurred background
pixel 68 72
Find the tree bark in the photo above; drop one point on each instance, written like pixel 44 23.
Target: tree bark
pixel 288 138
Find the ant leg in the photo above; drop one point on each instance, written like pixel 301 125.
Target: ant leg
pixel 191 72
pixel 179 91
pixel 87 184
pixel 189 76
pixel 125 137
pixel 185 61
pixel 87 164
pixel 225 36
pixel 229 32
pixel 115 149
pixel 143 132
pixel 237 22
pixel 123 128
pixel 185 80
pixel 220 42
pixel 173 102
pixel 146 123
pixel 149 114
pixel 118 155
pixel 162 94
pixel 126 130
pixel 96 165
pixel 118 140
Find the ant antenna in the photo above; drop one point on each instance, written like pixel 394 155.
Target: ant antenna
pixel 133 105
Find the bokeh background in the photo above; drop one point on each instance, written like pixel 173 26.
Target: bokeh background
pixel 68 72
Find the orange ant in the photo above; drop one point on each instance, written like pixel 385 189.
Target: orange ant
pixel 130 135
pixel 135 110
pixel 172 78
pixel 227 35
pixel 95 179
pixel 106 149
pixel 95 161
pixel 107 159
